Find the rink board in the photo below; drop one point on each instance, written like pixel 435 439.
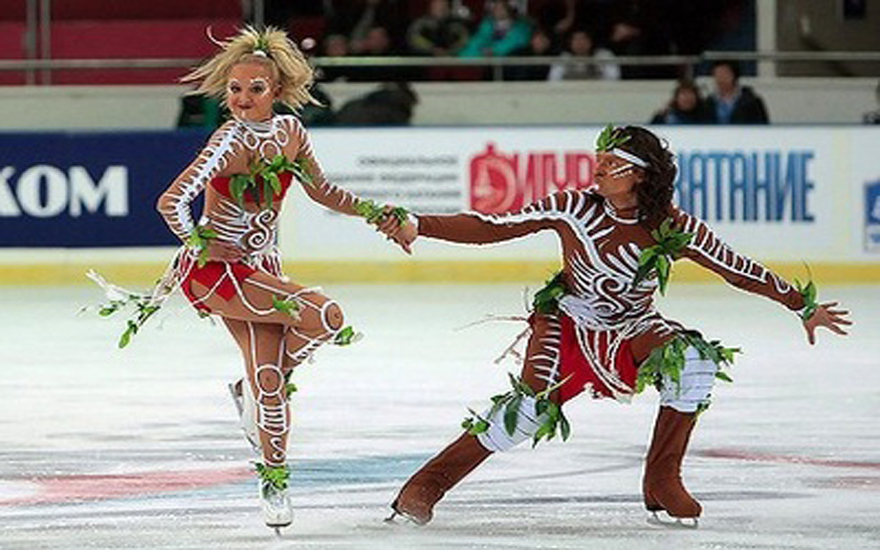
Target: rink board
pixel 782 195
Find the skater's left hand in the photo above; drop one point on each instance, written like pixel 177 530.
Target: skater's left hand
pixel 401 232
pixel 828 317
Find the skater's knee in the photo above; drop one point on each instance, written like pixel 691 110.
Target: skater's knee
pixel 498 438
pixel 693 390
pixel 332 317
pixel 269 381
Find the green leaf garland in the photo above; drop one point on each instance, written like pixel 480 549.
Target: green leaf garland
pixel 199 239
pixel 658 258
pixel 667 361
pixel 546 300
pixel 374 214
pixel 288 306
pixel 554 420
pixel 809 293
pixel 278 476
pixel 265 173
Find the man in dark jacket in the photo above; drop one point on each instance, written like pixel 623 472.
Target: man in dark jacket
pixel 731 103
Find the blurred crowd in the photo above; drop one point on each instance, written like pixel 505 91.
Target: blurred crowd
pixel 585 34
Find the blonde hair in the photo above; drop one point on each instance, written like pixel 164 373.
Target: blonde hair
pixel 270 47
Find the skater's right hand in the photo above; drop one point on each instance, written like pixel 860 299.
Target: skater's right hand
pixel 221 251
pixel 828 317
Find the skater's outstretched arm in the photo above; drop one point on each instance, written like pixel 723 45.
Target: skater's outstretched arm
pixel 475 228
pixel 708 250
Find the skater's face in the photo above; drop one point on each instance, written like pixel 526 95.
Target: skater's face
pixel 251 90
pixel 616 179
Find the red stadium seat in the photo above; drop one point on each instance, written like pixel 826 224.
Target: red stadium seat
pixel 104 39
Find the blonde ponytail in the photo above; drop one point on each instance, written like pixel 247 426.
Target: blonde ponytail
pixel 270 47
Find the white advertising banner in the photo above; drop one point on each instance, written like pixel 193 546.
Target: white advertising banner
pixel 775 193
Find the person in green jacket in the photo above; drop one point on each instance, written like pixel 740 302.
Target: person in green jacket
pixel 500 33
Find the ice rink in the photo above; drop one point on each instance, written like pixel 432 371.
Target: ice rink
pixel 139 448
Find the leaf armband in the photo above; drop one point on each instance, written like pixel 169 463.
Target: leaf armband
pixel 667 361
pixel 548 412
pixel 808 292
pixel 199 239
pixel 546 300
pixel 374 214
pixel 658 259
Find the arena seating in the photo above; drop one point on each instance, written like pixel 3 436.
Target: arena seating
pixel 109 29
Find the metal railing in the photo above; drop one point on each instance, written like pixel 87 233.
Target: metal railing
pixel 687 63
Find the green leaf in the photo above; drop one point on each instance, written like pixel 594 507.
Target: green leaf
pixel 565 427
pixel 511 414
pixel 610 138
pixel 347 336
pixel 237 185
pixel 721 375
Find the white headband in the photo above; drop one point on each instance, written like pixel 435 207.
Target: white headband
pixel 260 53
pixel 625 155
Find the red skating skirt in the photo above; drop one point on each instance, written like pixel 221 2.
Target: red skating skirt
pixel 583 374
pixel 221 278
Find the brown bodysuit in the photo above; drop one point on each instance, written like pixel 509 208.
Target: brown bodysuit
pixel 600 251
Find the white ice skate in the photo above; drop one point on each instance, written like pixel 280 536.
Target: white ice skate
pixel 246 406
pixel 274 500
pixel 662 518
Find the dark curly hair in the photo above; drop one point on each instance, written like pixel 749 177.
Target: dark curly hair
pixel 654 194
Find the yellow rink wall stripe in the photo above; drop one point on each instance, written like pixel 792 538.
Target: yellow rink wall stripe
pixel 410 272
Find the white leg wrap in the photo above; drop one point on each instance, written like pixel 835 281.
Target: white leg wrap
pixel 496 437
pixel 695 387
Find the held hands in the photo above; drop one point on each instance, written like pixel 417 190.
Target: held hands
pixel 828 317
pixel 402 232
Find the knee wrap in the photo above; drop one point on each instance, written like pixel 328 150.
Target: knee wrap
pixel 694 387
pixel 496 438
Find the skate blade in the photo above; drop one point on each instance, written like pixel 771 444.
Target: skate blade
pixel 405 520
pixel 669 522
pixel 235 398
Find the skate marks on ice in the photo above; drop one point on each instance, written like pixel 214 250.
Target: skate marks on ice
pixel 777 462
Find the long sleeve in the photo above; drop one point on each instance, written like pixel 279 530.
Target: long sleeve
pixel 738 270
pixel 175 203
pixel 476 228
pixel 320 189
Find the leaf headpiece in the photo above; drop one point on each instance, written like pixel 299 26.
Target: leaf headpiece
pixel 610 138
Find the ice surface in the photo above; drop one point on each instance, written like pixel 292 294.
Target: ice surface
pixel 139 448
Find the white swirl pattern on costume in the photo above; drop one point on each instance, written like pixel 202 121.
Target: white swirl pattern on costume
pixel 606 307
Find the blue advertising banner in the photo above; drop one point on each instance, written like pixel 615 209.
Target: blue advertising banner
pixel 89 189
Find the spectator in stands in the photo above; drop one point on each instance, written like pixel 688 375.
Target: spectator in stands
pixel 501 33
pixel 377 43
pixel 540 45
pixel 686 106
pixel 635 36
pixel 200 111
pixel 731 103
pixel 369 15
pixel 437 33
pixel 577 60
pixel 335 45
pixel 873 117
pixel 393 103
